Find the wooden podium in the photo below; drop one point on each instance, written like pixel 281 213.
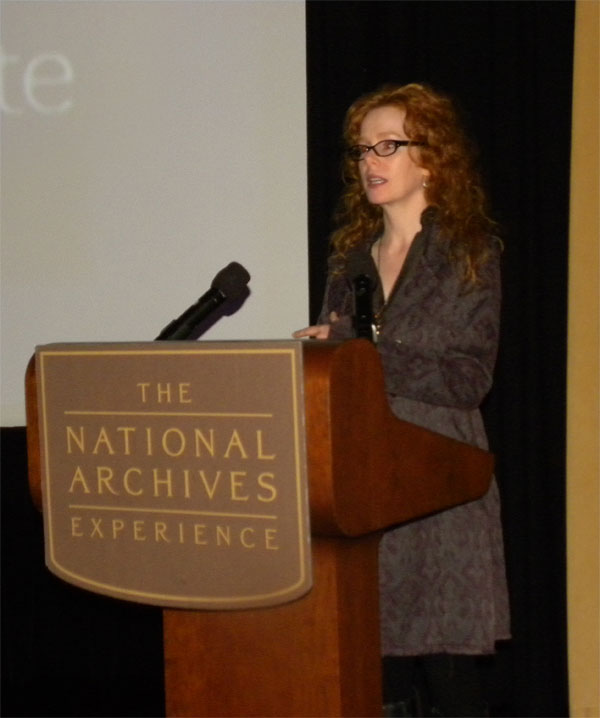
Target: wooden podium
pixel 318 655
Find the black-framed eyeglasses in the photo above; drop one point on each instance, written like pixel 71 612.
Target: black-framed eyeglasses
pixel 385 148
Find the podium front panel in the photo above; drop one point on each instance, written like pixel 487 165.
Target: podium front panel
pixel 174 474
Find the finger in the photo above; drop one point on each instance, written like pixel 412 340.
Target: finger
pixel 306 332
pixel 320 331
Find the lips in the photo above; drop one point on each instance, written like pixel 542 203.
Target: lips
pixel 373 180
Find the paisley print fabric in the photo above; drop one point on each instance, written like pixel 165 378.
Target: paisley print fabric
pixel 442 578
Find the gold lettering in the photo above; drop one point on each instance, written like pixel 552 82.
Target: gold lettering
pixel 143 386
pixel 246 543
pixel 184 390
pixel 128 489
pixel 260 454
pixel 103 440
pixel 270 537
pixel 199 531
pixel 126 431
pixel 236 485
pixel 186 483
pixel 264 484
pixel 210 490
pixel 163 391
pixel 208 445
pixel 79 479
pixel 79 440
pixel 223 535
pixel 149 451
pixel 181 448
pixel 167 481
pixel 236 442
pixel 160 530
pixel 104 476
pixel 138 531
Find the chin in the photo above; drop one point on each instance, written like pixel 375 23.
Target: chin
pixel 376 198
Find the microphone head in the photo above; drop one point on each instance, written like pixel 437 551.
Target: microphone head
pixel 231 281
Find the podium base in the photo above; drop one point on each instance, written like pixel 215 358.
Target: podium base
pixel 317 656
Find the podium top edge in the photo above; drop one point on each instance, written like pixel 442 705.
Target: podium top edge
pixel 165 346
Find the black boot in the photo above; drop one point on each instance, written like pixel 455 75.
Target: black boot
pixel 399 708
pixel 401 696
pixel 454 686
pixel 410 708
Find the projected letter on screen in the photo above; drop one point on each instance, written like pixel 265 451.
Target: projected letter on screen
pixel 42 84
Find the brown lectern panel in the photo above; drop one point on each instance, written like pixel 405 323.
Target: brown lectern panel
pixel 318 656
pixel 367 469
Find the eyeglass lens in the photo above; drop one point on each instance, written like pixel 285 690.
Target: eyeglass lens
pixel 384 148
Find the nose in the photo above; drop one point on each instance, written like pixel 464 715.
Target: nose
pixel 370 157
pixel 368 165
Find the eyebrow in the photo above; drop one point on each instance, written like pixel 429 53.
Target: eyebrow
pixel 391 135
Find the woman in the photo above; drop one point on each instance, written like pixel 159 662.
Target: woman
pixel 414 211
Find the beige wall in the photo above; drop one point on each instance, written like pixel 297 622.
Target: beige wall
pixel 583 544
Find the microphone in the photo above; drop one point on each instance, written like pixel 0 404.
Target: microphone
pixel 229 284
pixel 360 270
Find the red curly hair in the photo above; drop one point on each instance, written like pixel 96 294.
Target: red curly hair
pixel 454 186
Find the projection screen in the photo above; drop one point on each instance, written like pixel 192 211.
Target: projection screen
pixel 145 145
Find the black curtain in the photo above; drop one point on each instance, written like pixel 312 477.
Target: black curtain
pixel 66 652
pixel 509 67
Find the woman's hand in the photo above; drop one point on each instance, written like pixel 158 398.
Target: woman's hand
pixel 318 331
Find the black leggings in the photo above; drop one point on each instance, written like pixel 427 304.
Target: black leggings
pixel 437 684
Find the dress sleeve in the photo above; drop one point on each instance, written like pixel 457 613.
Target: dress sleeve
pixel 442 349
pixel 338 299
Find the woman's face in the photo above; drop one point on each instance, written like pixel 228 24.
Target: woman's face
pixel 395 180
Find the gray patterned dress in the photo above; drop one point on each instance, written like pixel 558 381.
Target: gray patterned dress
pixel 442 578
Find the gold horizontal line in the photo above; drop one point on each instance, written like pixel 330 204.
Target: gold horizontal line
pixel 216 414
pixel 189 512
